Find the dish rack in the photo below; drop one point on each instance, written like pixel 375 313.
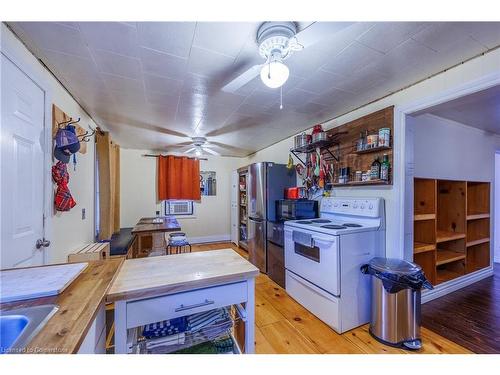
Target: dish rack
pixel 221 334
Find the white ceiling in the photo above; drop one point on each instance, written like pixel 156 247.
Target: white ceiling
pixel 154 84
pixel 480 110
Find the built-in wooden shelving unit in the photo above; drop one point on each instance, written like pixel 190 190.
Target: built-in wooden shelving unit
pixel 451 227
pixel 242 209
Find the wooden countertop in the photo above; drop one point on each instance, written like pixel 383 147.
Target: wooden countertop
pixel 170 224
pixel 77 308
pixel 148 277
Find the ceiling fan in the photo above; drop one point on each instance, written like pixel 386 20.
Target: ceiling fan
pixel 200 145
pixel 277 42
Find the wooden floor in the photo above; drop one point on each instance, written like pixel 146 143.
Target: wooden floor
pixel 284 326
pixel 469 316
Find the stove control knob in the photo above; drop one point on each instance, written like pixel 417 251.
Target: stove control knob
pixel 371 206
pixel 362 206
pixel 355 205
pixel 336 204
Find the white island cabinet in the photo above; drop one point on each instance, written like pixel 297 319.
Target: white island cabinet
pixel 156 289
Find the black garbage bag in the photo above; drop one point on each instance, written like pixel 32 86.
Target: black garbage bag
pixel 397 274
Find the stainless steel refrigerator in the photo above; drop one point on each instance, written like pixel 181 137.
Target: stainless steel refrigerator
pixel 266 184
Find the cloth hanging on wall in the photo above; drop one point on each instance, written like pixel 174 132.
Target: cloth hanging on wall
pixel 63 199
pixel 178 178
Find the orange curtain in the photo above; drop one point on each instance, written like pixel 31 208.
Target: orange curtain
pixel 178 178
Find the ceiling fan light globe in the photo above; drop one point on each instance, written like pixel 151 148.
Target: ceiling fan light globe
pixel 274 74
pixel 197 152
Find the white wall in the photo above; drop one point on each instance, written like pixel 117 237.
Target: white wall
pixel 447 82
pixel 211 219
pixel 137 187
pixel 449 150
pixel 68 229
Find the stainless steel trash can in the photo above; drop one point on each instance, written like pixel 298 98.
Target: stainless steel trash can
pixel 395 306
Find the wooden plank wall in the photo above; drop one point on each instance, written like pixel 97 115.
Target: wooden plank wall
pixel 362 162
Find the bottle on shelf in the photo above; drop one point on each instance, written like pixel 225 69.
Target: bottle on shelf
pixel 385 168
pixel 375 170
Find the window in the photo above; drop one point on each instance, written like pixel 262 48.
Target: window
pixel 178 207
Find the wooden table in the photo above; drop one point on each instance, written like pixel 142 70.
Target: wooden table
pixel 149 290
pixel 146 228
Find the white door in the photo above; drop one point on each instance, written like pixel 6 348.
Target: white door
pixel 22 168
pixel 234 207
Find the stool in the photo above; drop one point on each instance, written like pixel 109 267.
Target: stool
pixel 178 243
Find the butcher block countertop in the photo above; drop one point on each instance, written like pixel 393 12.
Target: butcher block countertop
pixel 155 276
pixel 77 307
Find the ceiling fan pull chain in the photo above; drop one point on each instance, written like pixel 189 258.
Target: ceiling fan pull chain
pixel 281 97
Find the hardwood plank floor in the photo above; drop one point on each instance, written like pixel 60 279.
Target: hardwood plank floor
pixel 284 326
pixel 470 316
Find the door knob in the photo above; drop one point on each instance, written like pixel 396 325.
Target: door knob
pixel 42 243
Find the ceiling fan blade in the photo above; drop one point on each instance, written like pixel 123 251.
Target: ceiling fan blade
pixel 319 30
pixel 190 150
pixel 242 79
pixel 180 145
pixel 210 151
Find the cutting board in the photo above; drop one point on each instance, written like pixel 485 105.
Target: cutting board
pixel 36 282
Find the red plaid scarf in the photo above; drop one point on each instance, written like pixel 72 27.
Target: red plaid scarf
pixel 63 199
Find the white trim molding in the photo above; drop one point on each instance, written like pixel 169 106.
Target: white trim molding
pixel 456 284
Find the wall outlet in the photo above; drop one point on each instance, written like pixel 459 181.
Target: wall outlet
pixel 83 213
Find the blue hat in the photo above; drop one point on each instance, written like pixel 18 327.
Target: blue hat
pixel 67 140
pixel 67 143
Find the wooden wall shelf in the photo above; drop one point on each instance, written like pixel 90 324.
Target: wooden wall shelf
pixel 422 247
pixel 347 135
pixel 451 227
pixel 478 242
pixel 371 150
pixel 422 217
pixel 478 216
pixel 364 183
pixel 448 256
pixel 445 236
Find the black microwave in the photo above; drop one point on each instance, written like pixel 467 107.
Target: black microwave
pixel 296 209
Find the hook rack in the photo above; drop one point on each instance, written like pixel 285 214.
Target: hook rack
pixel 86 137
pixel 64 124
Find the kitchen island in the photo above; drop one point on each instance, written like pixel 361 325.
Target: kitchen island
pixel 78 325
pixel 150 290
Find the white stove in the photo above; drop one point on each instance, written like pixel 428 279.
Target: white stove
pixel 323 257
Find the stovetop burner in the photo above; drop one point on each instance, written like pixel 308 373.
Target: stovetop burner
pixel 331 226
pixel 304 222
pixel 321 221
pixel 352 225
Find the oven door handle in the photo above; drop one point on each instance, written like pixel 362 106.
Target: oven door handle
pixel 323 240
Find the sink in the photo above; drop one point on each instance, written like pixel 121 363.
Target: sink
pixel 19 326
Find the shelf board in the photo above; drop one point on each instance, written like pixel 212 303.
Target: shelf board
pixel 478 242
pixel 311 147
pixel 448 256
pixel 421 247
pixel 478 216
pixel 447 275
pixel 363 183
pixel 422 217
pixel 373 149
pixel 444 236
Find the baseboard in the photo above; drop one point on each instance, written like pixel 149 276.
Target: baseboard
pixel 453 285
pixel 207 239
